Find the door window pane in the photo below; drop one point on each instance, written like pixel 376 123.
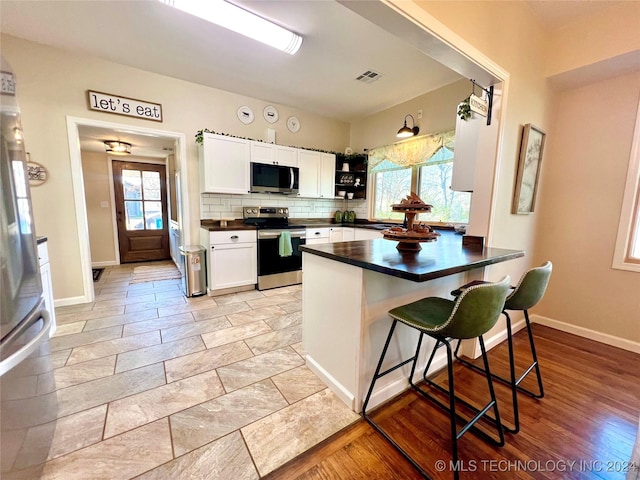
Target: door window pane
pixel 133 215
pixel 151 185
pixel 153 215
pixel 131 185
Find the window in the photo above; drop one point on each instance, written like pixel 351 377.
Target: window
pixel 627 251
pixel 143 208
pixel 423 165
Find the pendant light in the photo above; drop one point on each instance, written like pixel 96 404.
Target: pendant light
pixel 405 131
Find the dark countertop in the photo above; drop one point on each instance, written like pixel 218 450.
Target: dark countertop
pixel 214 225
pixel 446 256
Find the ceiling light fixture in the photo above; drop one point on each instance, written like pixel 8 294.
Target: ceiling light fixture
pixel 116 147
pixel 405 131
pixel 241 21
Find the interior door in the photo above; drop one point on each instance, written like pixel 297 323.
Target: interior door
pixel 141 211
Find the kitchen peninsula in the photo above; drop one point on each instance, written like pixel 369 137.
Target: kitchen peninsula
pixel 348 289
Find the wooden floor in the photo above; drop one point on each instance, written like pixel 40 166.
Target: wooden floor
pixel 589 416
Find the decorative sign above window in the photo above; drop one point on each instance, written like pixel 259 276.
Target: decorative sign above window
pixel 106 102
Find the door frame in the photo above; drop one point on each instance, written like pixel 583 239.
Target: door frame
pixel 77 178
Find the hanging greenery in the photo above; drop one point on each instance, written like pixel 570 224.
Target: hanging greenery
pixel 200 133
pixel 464 109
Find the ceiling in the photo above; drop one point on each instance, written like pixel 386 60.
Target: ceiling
pixel 338 46
pixel 92 139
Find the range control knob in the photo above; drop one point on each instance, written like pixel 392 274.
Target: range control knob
pixel 280 211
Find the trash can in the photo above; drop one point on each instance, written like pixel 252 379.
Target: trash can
pixel 195 277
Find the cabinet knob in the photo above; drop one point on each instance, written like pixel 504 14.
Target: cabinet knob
pixel 234 237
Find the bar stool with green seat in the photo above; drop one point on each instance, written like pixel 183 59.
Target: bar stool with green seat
pixel 524 296
pixel 472 314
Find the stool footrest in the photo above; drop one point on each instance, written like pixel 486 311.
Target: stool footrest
pixel 479 412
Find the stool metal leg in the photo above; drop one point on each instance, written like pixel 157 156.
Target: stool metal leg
pixel 514 382
pixel 378 375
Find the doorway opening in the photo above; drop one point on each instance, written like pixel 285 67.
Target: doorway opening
pixel 77 129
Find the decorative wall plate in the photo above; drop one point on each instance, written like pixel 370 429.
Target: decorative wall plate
pixel 37 174
pixel 270 114
pixel 293 124
pixel 245 115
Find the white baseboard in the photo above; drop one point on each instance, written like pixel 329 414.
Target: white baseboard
pixel 65 302
pixel 501 336
pixel 587 333
pixel 334 385
pixel 109 263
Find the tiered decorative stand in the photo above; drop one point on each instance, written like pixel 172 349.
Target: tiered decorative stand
pixel 410 238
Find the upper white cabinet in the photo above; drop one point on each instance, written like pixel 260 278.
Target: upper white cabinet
pixel 309 163
pixel 327 175
pixel 273 154
pixel 286 156
pixel 466 152
pixel 224 164
pixel 317 172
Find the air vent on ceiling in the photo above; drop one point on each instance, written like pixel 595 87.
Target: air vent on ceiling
pixel 369 76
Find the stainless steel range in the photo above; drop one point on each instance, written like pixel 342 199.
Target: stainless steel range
pixel 279 255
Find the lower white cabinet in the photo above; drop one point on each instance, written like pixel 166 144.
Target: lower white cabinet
pixel 336 234
pixel 348 234
pixel 366 234
pixel 232 258
pixel 317 235
pixel 47 285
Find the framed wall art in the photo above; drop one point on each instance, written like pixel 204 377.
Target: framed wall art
pixel 530 160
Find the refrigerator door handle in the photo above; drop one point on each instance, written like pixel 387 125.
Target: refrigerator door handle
pixel 17 357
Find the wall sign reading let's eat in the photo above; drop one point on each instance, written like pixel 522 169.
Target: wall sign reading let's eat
pixel 105 102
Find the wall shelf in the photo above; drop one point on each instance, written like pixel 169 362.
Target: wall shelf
pixel 353 180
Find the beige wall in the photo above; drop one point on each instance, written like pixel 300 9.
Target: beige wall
pixel 438 109
pixel 96 186
pixel 610 33
pixel 586 168
pixel 564 224
pixel 507 33
pixel 52 84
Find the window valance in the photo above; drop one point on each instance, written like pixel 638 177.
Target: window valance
pixel 413 151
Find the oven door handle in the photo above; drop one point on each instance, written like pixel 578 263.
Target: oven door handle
pixel 277 234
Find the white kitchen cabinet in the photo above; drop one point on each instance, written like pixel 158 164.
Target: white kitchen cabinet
pixel 224 164
pixel 47 285
pixel 348 234
pixel 317 174
pixel 286 156
pixel 272 154
pixel 318 235
pixel 366 234
pixel 335 234
pixel 466 152
pixel 232 257
pixel 309 163
pixel 174 242
pixel 327 175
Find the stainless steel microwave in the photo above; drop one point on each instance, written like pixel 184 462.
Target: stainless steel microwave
pixel 274 179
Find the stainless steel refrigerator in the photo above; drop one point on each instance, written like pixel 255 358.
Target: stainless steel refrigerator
pixel 27 415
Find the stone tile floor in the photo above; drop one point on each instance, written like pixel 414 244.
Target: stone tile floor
pixel 154 385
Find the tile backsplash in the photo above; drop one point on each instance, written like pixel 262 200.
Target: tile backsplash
pixel 215 206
